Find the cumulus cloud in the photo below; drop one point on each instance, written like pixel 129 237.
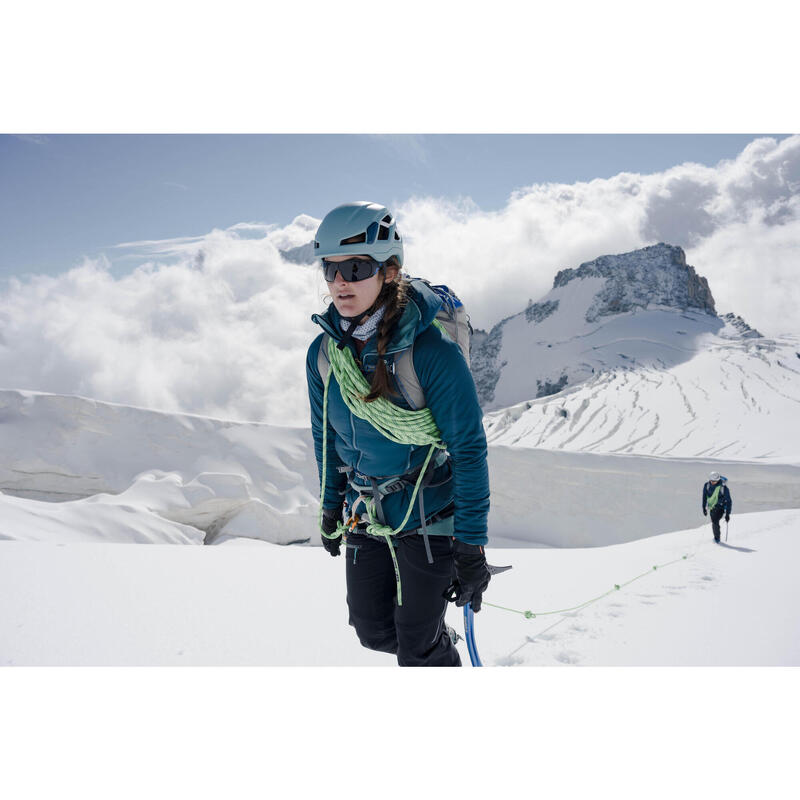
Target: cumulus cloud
pixel 219 324
pixel 223 333
pixel 738 221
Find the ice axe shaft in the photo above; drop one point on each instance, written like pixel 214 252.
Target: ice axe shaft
pixel 469 622
pixel 469 635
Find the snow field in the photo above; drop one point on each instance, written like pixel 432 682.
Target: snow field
pixel 728 604
pixel 261 604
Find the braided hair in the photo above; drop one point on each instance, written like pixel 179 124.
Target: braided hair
pixel 393 296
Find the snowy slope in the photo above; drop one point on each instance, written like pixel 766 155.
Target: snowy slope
pixel 134 516
pixel 259 604
pixel 554 343
pixel 627 355
pixel 223 478
pixel 723 398
pixel 148 476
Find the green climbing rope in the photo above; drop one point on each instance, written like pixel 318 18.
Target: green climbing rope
pixel 397 424
pixel 579 607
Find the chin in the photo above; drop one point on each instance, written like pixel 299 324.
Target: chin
pixel 349 309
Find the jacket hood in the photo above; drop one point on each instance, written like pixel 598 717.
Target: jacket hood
pixel 421 309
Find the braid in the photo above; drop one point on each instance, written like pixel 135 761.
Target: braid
pixel 393 296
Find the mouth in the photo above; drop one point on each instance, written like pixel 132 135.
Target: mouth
pixel 345 296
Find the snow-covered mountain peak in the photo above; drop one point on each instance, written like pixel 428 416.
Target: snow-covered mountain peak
pixel 650 299
pixel 626 354
pixel 655 275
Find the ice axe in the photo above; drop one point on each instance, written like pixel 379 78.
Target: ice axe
pixel 469 623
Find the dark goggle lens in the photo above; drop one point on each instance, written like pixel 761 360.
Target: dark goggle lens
pixel 354 269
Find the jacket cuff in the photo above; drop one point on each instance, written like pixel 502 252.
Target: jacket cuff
pixel 467 548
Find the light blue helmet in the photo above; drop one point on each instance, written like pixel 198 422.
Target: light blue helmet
pixel 371 226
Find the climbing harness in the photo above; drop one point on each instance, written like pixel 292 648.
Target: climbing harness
pixel 441 523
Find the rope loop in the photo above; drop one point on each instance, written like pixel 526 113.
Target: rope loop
pixel 400 425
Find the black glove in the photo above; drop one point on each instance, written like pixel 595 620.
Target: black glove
pixel 727 517
pixel 705 513
pixel 330 517
pixel 472 575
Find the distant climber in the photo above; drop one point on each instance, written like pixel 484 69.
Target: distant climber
pixel 718 500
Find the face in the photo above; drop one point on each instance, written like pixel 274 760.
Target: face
pixel 351 299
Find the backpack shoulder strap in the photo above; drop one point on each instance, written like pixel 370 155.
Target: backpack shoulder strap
pixel 407 379
pixel 406 375
pixel 323 364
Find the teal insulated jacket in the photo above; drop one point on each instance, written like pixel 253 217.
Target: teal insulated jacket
pixel 449 393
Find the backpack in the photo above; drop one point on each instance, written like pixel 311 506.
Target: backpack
pixel 452 320
pixel 719 491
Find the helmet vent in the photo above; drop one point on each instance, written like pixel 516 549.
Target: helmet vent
pixel 397 236
pixel 383 231
pixel 361 237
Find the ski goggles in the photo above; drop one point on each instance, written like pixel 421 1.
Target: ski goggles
pixel 354 269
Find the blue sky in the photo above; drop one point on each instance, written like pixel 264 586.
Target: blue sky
pixel 63 197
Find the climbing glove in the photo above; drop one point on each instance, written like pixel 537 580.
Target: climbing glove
pixel 727 517
pixel 472 575
pixel 330 517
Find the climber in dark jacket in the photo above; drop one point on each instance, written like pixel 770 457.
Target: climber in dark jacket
pixel 400 565
pixel 717 499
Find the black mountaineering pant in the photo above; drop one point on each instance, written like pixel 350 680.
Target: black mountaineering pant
pixel 716 514
pixel 414 631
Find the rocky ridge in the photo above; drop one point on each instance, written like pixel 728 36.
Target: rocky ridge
pixel 655 275
pixel 651 279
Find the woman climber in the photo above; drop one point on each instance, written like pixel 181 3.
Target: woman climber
pixel 399 443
